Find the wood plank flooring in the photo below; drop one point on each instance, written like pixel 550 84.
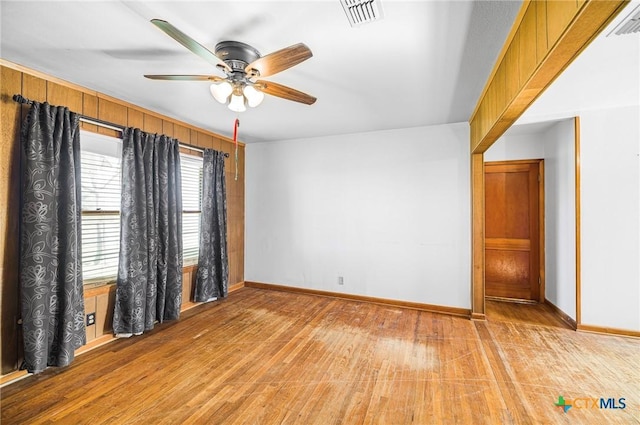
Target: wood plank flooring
pixel 269 357
pixel 533 314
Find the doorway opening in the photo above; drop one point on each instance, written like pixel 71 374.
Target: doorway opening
pixel 513 288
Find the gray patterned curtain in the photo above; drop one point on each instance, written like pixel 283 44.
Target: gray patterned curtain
pixel 149 283
pixel 51 288
pixel 213 262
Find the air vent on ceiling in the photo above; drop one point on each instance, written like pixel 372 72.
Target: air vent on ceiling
pixel 629 25
pixel 361 12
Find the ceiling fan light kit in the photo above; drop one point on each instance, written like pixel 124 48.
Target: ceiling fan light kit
pixel 236 104
pixel 254 97
pixel 242 64
pixel 221 91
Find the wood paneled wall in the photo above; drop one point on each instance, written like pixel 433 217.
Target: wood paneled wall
pixel 546 37
pixel 10 119
pixel 33 85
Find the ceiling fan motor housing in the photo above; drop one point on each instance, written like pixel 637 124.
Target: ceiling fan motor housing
pixel 236 54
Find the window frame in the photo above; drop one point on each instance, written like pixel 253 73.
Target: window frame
pixel 192 154
pixel 109 146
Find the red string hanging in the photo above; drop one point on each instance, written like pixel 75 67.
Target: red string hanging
pixel 236 124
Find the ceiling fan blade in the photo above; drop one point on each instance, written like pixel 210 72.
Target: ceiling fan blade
pixel 213 78
pixel 275 89
pixel 189 43
pixel 279 60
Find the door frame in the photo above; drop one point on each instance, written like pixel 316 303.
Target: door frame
pixel 541 220
pixel 478 311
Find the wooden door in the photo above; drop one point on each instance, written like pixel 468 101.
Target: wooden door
pixel 512 229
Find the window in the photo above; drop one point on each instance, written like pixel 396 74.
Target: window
pixel 100 193
pixel 191 205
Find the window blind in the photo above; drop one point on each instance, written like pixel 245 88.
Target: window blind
pixel 100 192
pixel 191 167
pixel 100 245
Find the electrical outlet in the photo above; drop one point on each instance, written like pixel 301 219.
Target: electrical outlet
pixel 340 280
pixel 91 319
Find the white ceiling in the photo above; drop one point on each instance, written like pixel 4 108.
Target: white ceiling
pixel 425 63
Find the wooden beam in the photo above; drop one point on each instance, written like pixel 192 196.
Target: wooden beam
pixel 568 28
pixel 477 237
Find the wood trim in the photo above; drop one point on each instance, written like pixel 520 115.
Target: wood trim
pixel 452 311
pixel 100 341
pixel 189 268
pixel 236 286
pixel 514 162
pixel 478 316
pixel 608 331
pixel 477 237
pixel 11 377
pixel 578 237
pixel 99 290
pixel 511 300
pixel 188 306
pixel 562 315
pixel 98 95
pixel 191 151
pixel 541 238
pixel 505 167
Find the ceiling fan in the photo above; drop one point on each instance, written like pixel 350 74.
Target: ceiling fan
pixel 242 65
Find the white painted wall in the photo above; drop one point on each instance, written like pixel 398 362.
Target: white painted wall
pixel 389 211
pixel 560 217
pixel 610 217
pixel 512 148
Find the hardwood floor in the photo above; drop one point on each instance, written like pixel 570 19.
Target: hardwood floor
pixel 269 357
pixel 533 314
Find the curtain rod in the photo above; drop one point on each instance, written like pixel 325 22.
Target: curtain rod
pixel 106 124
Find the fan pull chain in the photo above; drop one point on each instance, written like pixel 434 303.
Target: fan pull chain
pixel 235 140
